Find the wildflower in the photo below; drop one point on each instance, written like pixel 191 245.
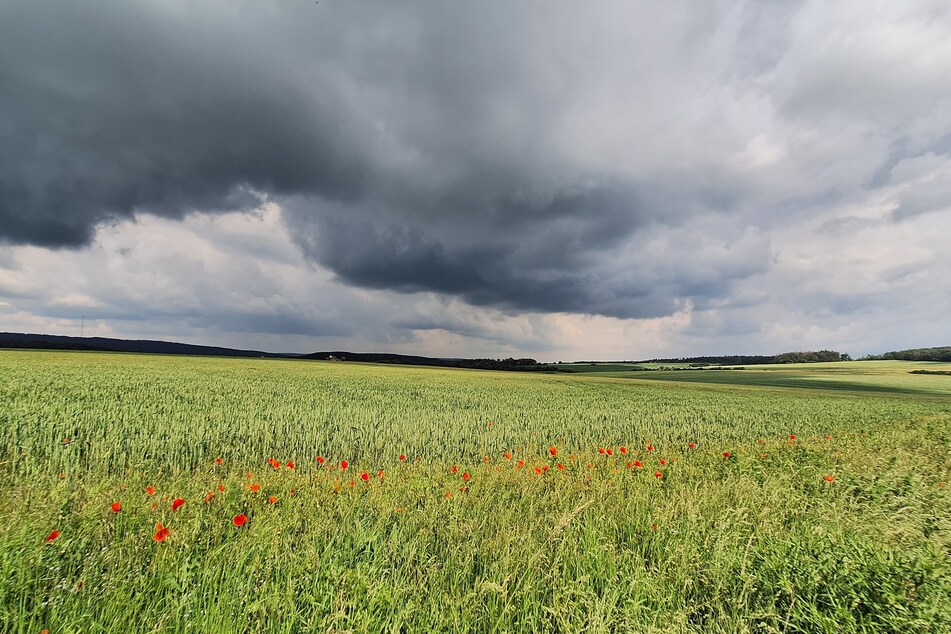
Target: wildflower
pixel 344 464
pixel 290 464
pixel 150 490
pixel 762 441
pixel 650 447
pixel 538 470
pixel 177 503
pixel 276 464
pixel 454 468
pixel 221 488
pixel 662 461
pixel 402 457
pixel 116 507
pixel 249 475
pixel 465 476
pixel 379 474
pixel 727 454
pixel 544 467
pixel 161 533
pixel 561 467
pixel 209 497
pixel 829 478
pixel 254 487
pixel 508 455
pixel 520 463
pixel 601 450
pixel 485 458
pixel 828 437
pixel 365 476
pixel 272 500
pixel 637 463
pixel 490 423
pixel 792 436
pixel 630 464
pixel 623 450
pixel 240 519
pixel 66 441
pixel 658 474
pixel 448 495
pixel 319 459
pixel 53 535
pixel 692 445
pixel 217 460
pixel 609 451
pixel 553 451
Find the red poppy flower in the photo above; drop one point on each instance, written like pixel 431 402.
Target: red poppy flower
pixel 62 476
pixel 454 468
pixel 319 459
pixel 290 464
pixel 217 460
pixel 448 494
pixel 221 488
pixel 762 441
pixel 255 487
pixel 609 451
pixel 521 463
pixel 792 436
pixel 662 461
pixel 829 478
pixel 727 454
pixel 828 437
pixel 465 476
pixel 344 464
pixel 692 445
pixel 658 474
pixel 249 475
pixel 379 474
pixel 53 535
pixel 637 463
pixel 402 457
pixel 116 507
pixel 365 476
pixel 209 497
pixel 150 490
pixel 561 466
pixel 272 500
pixel 601 450
pixel 553 451
pixel 176 503
pixel 66 441
pixel 490 423
pixel 276 464
pixel 240 519
pixel 508 455
pixel 623 450
pixel 485 458
pixel 538 470
pixel 630 464
pixel 161 533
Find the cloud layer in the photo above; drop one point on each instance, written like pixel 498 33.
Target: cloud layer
pixel 730 168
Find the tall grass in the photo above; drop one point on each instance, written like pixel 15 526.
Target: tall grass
pixel 756 542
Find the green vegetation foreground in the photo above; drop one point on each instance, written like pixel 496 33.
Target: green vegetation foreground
pixel 167 494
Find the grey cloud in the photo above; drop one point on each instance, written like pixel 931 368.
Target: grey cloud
pixel 536 156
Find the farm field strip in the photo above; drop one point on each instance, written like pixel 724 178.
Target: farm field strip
pixel 271 495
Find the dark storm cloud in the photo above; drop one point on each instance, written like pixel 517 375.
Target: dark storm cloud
pixel 108 108
pixel 536 156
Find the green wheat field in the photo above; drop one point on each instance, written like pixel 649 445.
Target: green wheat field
pixel 176 494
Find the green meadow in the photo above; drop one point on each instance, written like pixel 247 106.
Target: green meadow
pixel 808 498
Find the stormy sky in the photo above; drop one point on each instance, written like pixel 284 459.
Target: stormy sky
pixel 562 180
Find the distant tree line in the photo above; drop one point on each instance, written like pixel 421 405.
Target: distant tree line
pixel 914 354
pixel 520 365
pixel 786 357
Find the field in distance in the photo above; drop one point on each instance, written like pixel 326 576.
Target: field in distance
pixel 167 494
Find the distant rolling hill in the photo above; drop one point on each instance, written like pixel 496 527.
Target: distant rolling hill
pixel 106 344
